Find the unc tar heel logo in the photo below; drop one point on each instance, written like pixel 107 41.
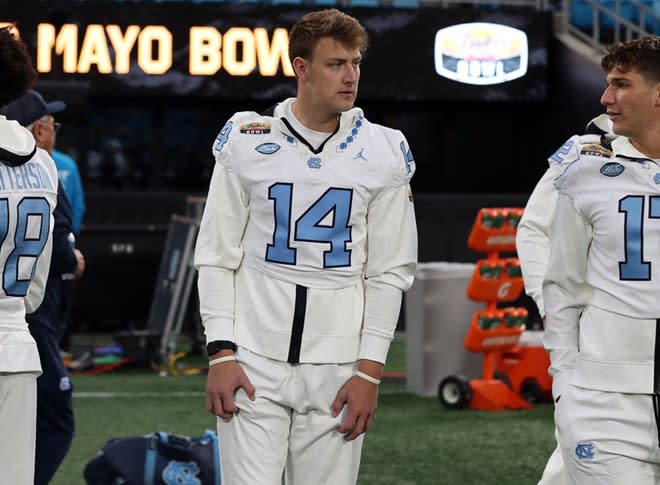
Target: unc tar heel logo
pixel 314 162
pixel 585 451
pixel 181 473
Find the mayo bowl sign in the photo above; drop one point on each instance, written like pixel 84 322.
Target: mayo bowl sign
pixel 481 53
pixel 241 50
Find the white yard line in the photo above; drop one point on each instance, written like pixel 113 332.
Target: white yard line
pixel 139 394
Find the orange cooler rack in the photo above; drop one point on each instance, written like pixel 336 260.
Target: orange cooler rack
pixel 495 330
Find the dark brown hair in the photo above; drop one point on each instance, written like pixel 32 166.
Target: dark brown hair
pixel 641 54
pixel 325 23
pixel 16 72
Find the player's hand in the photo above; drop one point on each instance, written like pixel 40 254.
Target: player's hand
pixel 361 399
pixel 80 267
pixel 223 381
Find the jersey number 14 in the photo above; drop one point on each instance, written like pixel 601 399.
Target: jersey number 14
pixel 308 226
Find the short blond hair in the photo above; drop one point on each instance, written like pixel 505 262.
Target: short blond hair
pixel 330 22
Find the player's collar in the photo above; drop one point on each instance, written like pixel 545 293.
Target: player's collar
pixel 622 147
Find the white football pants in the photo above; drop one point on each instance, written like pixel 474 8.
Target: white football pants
pixel 608 438
pixel 18 422
pixel 288 427
pixel 554 472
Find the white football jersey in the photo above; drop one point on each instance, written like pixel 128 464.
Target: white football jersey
pixel 331 219
pixel 28 194
pixel 602 281
pixel 533 234
pixel 620 198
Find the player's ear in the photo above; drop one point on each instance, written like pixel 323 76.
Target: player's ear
pixel 34 129
pixel 301 68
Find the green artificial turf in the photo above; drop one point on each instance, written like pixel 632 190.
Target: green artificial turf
pixel 415 441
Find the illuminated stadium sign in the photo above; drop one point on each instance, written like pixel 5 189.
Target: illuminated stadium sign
pixel 481 53
pixel 239 51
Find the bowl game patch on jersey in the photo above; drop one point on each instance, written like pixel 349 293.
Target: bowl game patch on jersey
pixel 255 128
pixel 595 150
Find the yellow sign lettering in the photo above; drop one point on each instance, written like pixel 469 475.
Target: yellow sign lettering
pixel 241 51
pixel 94 50
pixel 122 44
pixel 204 53
pixel 270 55
pixel 233 38
pixel 162 38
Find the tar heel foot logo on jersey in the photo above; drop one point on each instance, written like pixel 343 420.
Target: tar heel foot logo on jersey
pixel 481 53
pixel 585 450
pixel 314 163
pixel 290 140
pixel 267 148
pixel 612 169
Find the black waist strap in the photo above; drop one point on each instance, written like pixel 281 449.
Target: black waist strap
pixel 298 325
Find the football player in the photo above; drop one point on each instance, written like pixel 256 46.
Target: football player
pixel 28 193
pixel 307 241
pixel 533 237
pixel 601 286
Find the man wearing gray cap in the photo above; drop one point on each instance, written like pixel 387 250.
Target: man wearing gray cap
pixel 55 420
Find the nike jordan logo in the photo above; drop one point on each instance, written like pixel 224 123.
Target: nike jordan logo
pixel 360 155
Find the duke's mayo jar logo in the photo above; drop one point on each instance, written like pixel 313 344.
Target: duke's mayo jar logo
pixel 481 53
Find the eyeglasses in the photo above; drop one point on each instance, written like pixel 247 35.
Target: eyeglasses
pixel 55 124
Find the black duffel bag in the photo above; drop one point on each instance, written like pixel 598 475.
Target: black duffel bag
pixel 156 459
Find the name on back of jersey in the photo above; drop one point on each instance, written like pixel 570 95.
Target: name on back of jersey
pixel 29 176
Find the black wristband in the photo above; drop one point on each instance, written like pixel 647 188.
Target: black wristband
pixel 218 345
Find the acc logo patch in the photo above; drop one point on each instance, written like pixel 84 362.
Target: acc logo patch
pixel 595 150
pixel 255 128
pixel 585 451
pixel 656 178
pixel 612 169
pixel 267 148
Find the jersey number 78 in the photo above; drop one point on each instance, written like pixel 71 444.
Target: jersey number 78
pixel 28 210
